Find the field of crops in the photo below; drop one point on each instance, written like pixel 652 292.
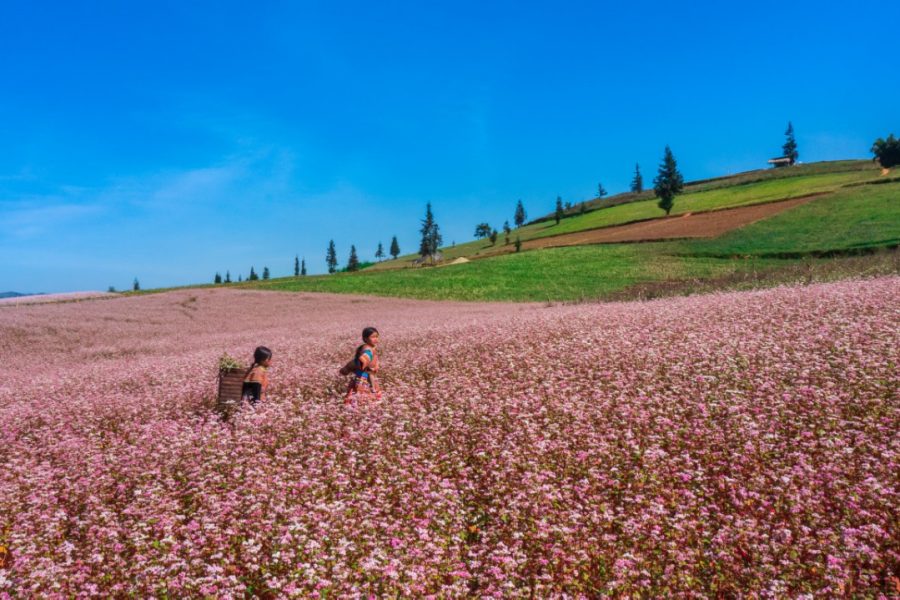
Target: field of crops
pixel 732 444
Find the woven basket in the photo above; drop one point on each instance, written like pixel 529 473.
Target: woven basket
pixel 231 382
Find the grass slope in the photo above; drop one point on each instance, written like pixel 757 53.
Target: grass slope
pixel 773 250
pixel 746 192
pixel 575 273
pixel 853 218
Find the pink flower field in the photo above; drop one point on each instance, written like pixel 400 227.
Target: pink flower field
pixel 733 445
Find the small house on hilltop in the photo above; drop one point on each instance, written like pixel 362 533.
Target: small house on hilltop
pixel 781 161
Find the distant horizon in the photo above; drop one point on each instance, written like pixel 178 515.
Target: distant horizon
pixel 167 142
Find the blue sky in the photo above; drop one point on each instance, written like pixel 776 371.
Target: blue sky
pixel 170 140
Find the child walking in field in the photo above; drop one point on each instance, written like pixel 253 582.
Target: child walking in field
pixel 257 378
pixel 364 366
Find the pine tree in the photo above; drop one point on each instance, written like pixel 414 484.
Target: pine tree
pixel 240 278
pixel 136 286
pixel 395 248
pixel 379 253
pixel 253 276
pixel 431 236
pixel 296 266
pixel 601 191
pixel 218 278
pixel 519 217
pixel 353 261
pixel 303 268
pixel 227 276
pixel 668 182
pixel 506 231
pixel 789 150
pixel 331 257
pixel 265 272
pixel 111 289
pixel 559 210
pixel 494 237
pixel 637 184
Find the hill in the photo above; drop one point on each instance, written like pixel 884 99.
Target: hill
pixel 820 221
pixel 743 189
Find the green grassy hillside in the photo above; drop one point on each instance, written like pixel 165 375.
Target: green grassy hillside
pixel 815 240
pixel 853 218
pixel 727 181
pixel 731 192
pixel 574 273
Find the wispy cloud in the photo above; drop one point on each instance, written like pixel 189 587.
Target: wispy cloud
pixel 256 175
pixel 36 217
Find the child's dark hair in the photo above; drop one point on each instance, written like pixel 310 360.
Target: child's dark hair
pixel 260 354
pixel 367 332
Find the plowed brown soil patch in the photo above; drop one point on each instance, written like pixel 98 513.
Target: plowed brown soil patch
pixel 700 225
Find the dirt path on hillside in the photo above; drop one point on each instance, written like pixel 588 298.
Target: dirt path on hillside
pixel 690 225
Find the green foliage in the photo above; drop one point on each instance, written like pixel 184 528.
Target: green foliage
pixel 217 279
pixel 431 236
pixel 331 257
pixel 520 216
pixel 559 210
pixel 482 230
pixel 303 267
pixel 296 266
pixel 494 237
pixel 353 261
pixel 668 182
pixel 789 149
pixel 227 276
pixel 637 183
pixel 379 252
pixel 253 276
pixel 228 362
pixel 518 244
pixel 887 151
pixel 395 247
pixel 136 286
pixel 601 191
